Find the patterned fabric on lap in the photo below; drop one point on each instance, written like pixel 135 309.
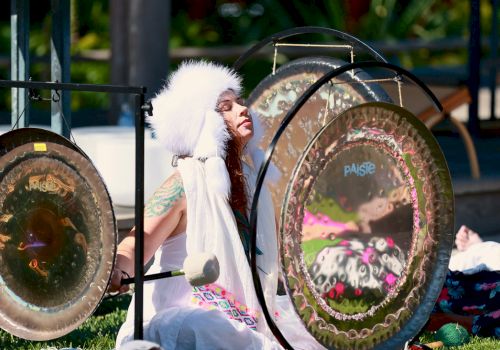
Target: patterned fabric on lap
pixel 214 297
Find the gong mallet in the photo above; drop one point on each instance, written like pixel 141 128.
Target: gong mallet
pixel 199 269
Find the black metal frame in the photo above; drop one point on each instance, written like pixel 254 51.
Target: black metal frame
pixel 380 62
pixel 140 108
pixel 270 150
pixel 277 37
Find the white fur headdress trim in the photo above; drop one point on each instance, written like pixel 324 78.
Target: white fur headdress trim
pixel 185 121
pixel 184 117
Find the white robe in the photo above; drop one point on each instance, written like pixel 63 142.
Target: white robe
pixel 171 320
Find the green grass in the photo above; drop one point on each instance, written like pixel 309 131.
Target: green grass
pixel 99 332
pixel 96 333
pixel 475 343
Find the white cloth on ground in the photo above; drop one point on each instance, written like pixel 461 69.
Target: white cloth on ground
pixel 477 257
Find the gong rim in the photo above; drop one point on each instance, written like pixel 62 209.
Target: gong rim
pixel 18 137
pixel 336 330
pixel 321 65
pixel 69 248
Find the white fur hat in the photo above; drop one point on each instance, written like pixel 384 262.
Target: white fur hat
pixel 184 117
pixel 186 123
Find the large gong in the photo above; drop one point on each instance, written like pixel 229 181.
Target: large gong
pixel 57 235
pixel 365 203
pixel 367 227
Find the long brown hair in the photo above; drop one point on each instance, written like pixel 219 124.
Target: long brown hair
pixel 238 199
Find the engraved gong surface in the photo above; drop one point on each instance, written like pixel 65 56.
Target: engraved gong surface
pixel 367 228
pixel 275 95
pixel 57 235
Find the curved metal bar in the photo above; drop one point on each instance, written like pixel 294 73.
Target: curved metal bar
pixel 305 30
pixel 270 150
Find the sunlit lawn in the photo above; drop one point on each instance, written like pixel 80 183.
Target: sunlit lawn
pixel 475 343
pixel 99 332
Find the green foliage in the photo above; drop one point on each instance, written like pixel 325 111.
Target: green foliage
pixel 240 23
pixel 225 23
pixel 192 32
pixel 418 18
pixel 90 73
pixel 4 38
pixel 90 24
pixel 89 31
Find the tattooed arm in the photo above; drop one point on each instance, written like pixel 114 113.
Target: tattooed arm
pixel 164 216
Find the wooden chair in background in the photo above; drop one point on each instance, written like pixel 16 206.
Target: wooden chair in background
pixel 451 102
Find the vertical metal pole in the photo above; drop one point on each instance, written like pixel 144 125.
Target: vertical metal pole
pixel 494 48
pixel 119 65
pixel 149 30
pixel 474 61
pixel 19 57
pixel 139 216
pixel 60 65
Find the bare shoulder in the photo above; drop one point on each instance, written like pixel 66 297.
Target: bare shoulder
pixel 170 195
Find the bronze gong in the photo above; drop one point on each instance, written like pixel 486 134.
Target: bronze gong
pixel 57 235
pixel 273 97
pixel 365 203
pixel 367 228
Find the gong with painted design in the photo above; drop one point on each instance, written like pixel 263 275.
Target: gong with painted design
pixel 367 228
pixel 57 235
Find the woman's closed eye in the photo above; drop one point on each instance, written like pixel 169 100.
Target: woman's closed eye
pixel 224 106
pixel 227 105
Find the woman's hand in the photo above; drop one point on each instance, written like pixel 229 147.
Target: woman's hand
pixel 115 283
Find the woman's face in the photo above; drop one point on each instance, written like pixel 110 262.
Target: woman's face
pixel 236 115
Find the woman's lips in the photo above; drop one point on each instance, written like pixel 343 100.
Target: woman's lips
pixel 246 122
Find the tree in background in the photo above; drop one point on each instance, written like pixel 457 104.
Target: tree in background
pixel 218 23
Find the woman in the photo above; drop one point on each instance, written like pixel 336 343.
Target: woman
pixel 203 207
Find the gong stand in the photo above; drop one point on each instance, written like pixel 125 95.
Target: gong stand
pixel 141 107
pixel 267 160
pixel 323 324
